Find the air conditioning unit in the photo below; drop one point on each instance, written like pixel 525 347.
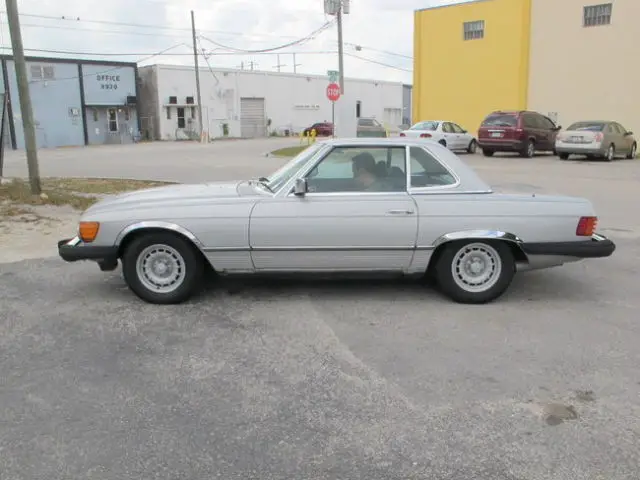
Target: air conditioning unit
pixel 131 100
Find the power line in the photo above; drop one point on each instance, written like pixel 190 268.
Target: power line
pixel 204 53
pixel 300 41
pixel 369 60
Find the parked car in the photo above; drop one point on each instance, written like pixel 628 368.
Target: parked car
pixel 347 205
pixel 446 133
pixel 599 138
pixel 370 127
pixel 323 129
pixel 519 131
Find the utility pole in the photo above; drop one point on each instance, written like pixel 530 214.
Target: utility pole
pixel 280 65
pixel 28 124
pixel 295 65
pixel 195 59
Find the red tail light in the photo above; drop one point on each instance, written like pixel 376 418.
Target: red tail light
pixel 586 226
pixel 425 135
pixel 599 137
pixel 402 135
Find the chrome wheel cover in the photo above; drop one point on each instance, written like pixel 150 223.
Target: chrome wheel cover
pixel 476 267
pixel 161 268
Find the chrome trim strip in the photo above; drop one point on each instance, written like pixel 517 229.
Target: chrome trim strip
pixel 74 241
pixel 479 234
pixel 157 224
pixel 312 249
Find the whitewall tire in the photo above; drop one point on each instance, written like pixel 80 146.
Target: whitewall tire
pixel 475 271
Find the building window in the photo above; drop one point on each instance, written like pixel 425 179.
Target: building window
pixel 95 114
pixel 595 15
pixel 358 109
pixel 181 121
pixel 473 30
pixel 193 113
pixel 168 113
pixel 42 72
pixel 113 120
pixel 127 114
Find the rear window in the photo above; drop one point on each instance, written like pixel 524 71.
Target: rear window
pixel 500 120
pixel 425 126
pixel 588 126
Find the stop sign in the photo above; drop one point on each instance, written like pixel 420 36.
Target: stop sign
pixel 333 92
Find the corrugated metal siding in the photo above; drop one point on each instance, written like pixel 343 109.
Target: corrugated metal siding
pixel 252 117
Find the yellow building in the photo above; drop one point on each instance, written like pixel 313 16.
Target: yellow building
pixel 470 59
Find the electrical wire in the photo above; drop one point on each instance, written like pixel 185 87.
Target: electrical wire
pixel 369 60
pixel 300 41
pixel 203 52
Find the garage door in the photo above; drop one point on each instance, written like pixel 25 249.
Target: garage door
pixel 252 118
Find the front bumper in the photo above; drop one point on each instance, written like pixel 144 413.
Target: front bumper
pixel 73 249
pixel 597 247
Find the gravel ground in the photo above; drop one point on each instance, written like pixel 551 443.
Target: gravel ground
pixel 344 380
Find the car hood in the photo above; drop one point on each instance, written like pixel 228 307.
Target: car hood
pixel 169 196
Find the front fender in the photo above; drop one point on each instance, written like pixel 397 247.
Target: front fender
pixel 172 227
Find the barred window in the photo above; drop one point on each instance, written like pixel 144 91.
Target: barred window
pixel 473 30
pixel 42 72
pixel 597 15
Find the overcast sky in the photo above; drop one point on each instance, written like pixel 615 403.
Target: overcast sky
pixel 382 28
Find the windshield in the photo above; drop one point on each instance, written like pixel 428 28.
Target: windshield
pixel 284 174
pixel 589 126
pixel 500 120
pixel 425 126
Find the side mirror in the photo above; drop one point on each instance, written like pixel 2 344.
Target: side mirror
pixel 300 188
pixel 628 133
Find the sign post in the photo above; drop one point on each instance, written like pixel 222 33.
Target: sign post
pixel 333 94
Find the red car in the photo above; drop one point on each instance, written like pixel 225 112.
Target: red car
pixel 323 129
pixel 520 131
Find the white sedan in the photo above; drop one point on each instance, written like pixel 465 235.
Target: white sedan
pixel 449 134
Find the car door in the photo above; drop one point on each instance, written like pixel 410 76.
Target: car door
pixel 462 139
pixel 449 135
pixel 625 141
pixel 547 132
pixel 337 225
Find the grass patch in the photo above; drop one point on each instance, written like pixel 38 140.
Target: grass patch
pixel 79 193
pixel 289 151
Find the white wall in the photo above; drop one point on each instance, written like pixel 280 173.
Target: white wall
pixel 292 101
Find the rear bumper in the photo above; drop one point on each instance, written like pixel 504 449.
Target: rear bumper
pixel 501 145
pixel 580 150
pixel 73 250
pixel 597 247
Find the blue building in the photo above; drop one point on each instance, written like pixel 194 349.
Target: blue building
pixel 75 102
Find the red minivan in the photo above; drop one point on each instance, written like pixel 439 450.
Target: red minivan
pixel 519 131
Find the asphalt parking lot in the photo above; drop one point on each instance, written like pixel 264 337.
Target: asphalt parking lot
pixel 318 380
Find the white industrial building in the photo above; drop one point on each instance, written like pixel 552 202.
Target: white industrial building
pixel 247 103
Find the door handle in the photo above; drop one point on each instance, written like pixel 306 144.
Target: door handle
pixel 400 212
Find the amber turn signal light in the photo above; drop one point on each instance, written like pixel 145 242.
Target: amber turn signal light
pixel 88 231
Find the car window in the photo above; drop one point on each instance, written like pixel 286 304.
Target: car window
pixel 360 169
pixel 546 123
pixel 589 126
pixel 611 129
pixel 528 121
pixel 446 127
pixel 457 128
pixel 427 171
pixel 431 126
pixel 500 120
pixel 620 128
pixel 365 122
pixel 279 178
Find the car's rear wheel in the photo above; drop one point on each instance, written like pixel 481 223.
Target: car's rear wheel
pixel 563 156
pixel 633 152
pixel 530 149
pixel 475 271
pixel 162 268
pixel 472 147
pixel 487 153
pixel 443 143
pixel 611 153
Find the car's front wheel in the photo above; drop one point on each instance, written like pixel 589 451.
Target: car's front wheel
pixel 487 153
pixel 162 268
pixel 633 152
pixel 472 147
pixel 563 156
pixel 475 271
